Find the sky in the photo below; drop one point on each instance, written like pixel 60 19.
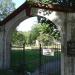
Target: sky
pixel 18 2
pixel 26 24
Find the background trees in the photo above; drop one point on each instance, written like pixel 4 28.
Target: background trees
pixel 53 1
pixel 45 32
pixel 43 1
pixel 18 38
pixel 6 7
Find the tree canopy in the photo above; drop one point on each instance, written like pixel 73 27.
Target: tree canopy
pixel 18 38
pixel 6 7
pixel 43 1
pixel 66 2
pixel 45 32
pixel 60 2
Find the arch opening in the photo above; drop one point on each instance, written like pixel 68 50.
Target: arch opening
pixel 55 44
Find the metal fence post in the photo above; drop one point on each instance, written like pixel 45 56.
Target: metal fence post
pixel 24 59
pixel 40 58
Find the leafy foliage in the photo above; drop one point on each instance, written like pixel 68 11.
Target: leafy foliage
pixel 66 2
pixel 43 1
pixel 18 38
pixel 48 1
pixel 27 36
pixel 45 32
pixel 6 7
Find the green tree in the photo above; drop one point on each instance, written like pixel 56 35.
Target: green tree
pixel 45 32
pixel 27 37
pixel 6 7
pixel 18 38
pixel 35 32
pixel 53 1
pixel 43 1
pixel 45 39
pixel 50 28
pixel 48 1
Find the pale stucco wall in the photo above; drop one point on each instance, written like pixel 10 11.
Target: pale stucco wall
pixel 66 25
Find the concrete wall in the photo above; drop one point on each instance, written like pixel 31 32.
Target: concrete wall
pixel 69 61
pixel 1 46
pixel 13 23
pixel 66 25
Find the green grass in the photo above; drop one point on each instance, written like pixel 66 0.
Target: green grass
pixel 30 60
pixel 6 72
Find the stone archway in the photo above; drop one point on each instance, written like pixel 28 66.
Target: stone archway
pixel 12 24
pixel 63 20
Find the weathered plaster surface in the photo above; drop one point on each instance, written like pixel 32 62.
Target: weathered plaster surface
pixel 66 25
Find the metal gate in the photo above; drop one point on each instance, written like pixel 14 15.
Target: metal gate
pixel 42 60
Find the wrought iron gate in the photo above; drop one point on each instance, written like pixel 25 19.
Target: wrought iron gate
pixel 42 60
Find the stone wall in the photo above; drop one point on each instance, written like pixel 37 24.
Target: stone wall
pixel 66 25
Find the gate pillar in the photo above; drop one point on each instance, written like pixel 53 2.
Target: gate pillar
pixel 4 53
pixel 68 54
pixel 1 47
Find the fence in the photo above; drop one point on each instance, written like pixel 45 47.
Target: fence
pixel 45 60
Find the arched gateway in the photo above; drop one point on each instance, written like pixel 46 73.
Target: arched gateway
pixel 63 18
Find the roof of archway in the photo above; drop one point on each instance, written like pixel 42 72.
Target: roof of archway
pixel 27 6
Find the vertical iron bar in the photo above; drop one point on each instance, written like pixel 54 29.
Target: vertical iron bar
pixel 57 48
pixel 40 57
pixel 56 60
pixel 10 55
pixel 24 58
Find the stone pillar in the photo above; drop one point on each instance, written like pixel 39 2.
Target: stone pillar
pixel 4 52
pixel 68 63
pixel 1 47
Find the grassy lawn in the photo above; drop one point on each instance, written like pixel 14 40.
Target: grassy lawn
pixel 29 61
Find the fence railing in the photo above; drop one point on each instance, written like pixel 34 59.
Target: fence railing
pixel 41 59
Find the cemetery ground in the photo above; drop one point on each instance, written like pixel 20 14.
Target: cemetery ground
pixel 28 60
